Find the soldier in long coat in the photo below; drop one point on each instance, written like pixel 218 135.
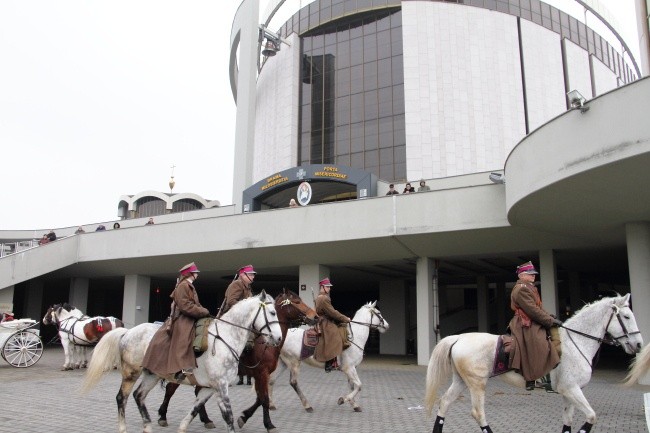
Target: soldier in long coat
pixel 170 350
pixel 240 288
pixel 330 343
pixel 534 355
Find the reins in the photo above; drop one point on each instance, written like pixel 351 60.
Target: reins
pixel 369 325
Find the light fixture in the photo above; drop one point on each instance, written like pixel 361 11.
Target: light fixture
pixel 577 101
pixel 273 41
pixel 497 178
pixel 270 48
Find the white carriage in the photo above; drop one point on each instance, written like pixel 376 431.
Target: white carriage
pixel 20 342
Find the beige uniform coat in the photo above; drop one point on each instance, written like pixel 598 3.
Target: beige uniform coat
pixel 330 344
pixel 533 354
pixel 170 350
pixel 236 291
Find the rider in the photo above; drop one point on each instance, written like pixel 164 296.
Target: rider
pixel 534 355
pixel 239 288
pixel 331 343
pixel 170 350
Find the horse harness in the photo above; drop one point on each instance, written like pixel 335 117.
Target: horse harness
pixel 61 324
pixel 371 326
pixel 611 340
pixel 250 328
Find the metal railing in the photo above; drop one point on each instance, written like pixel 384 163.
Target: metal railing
pixel 16 247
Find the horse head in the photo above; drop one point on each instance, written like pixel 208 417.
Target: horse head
pixel 291 307
pixel 47 318
pixel 622 326
pixel 265 322
pixel 372 317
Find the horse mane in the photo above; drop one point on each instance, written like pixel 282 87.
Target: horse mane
pixel 603 303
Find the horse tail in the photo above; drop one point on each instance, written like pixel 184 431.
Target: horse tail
pixel 105 356
pixel 639 367
pixel 439 370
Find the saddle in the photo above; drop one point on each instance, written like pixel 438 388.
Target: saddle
pixel 200 343
pixel 309 343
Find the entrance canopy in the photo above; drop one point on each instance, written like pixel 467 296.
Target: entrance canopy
pixel 308 184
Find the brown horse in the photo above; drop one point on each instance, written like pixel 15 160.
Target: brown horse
pixel 99 326
pixel 258 362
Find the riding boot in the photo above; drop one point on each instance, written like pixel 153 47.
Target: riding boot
pixel 530 385
pixel 328 366
pixel 241 380
pixel 248 380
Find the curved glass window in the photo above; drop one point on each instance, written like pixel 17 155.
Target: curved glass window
pixel 186 204
pixel 352 94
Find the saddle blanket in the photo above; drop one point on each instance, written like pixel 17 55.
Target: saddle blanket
pixel 502 355
pixel 309 343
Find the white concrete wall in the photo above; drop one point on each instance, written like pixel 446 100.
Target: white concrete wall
pixel 542 54
pixel 463 89
pixel 604 79
pixel 579 74
pixel 276 125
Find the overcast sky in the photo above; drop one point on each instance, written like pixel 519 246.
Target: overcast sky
pixel 99 99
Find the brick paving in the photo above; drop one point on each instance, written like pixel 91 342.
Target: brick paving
pixel 42 398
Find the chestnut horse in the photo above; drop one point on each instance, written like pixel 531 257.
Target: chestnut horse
pixel 258 362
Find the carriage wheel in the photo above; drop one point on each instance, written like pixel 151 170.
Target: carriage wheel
pixel 23 349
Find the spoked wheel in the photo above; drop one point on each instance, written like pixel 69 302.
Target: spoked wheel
pixel 23 349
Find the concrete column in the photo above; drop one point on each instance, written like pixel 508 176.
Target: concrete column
pixel 425 306
pixel 246 100
pixel 309 276
pixel 34 300
pixel 392 299
pixel 638 258
pixel 482 306
pixel 7 300
pixel 79 293
pixel 548 278
pixel 502 302
pixel 135 307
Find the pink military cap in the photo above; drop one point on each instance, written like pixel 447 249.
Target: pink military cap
pixel 189 269
pixel 325 282
pixel 248 269
pixel 526 268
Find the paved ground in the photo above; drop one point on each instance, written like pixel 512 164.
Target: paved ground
pixel 43 399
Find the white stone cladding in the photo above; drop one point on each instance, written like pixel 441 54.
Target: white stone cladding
pixel 578 70
pixel 463 89
pixel 604 79
pixel 276 119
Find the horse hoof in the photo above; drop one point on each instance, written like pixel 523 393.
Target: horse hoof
pixel 341 401
pixel 357 409
pixel 273 430
pixel 272 407
pixel 309 409
pixel 210 425
pixel 241 421
pixel 162 423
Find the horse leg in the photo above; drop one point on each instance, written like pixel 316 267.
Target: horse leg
pixel 221 388
pixel 576 398
pixel 121 398
pixel 149 380
pixel 83 359
pixel 263 395
pixel 280 368
pixel 294 370
pixel 67 363
pixel 203 414
pixel 476 387
pixel 170 389
pixel 202 396
pixel 246 414
pixel 451 395
pixel 355 386
pixel 567 414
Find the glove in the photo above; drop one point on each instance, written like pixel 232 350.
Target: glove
pixel 557 322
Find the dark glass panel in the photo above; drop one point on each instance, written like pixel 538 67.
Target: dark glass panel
pixel 356 107
pixel 369 48
pixel 370 105
pixel 343 140
pixel 399 154
pixel 316 147
pixel 397 69
pixel 330 39
pixel 371 135
pixel 385 132
pixel 383 24
pixel 385 156
pixel 398 99
pixel 356 79
pixel 342 55
pixel 356 31
pixel 383 44
pixel 337 10
pixel 386 172
pixel 370 76
pixel 343 33
pixel 356 51
pixel 343 82
pixel 318 41
pixel 356 137
pixel 328 146
pixel 503 6
pixel 384 73
pixel 325 13
pixel 372 159
pixel 490 4
pixel 396 45
pixel 356 160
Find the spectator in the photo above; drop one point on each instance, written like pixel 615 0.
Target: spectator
pixel 116 226
pixel 44 240
pixel 292 203
pixel 423 186
pixel 80 230
pixel 51 236
pixel 150 222
pixel 408 188
pixel 100 228
pixel 391 190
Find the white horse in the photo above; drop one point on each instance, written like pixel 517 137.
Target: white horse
pixel 217 366
pixel 469 359
pixel 77 332
pixel 366 318
pixel 640 366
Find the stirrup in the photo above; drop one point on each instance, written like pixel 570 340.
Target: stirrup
pixel 530 385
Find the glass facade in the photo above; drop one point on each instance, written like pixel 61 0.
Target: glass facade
pixel 352 94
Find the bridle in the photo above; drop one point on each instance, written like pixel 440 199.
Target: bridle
pixel 53 315
pixel 296 304
pixel 251 328
pixel 611 340
pixel 373 313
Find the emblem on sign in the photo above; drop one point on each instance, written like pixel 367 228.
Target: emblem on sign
pixel 304 194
